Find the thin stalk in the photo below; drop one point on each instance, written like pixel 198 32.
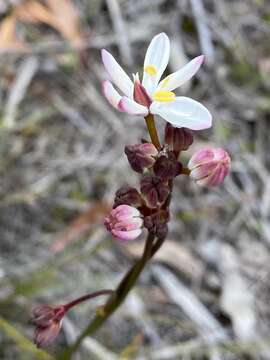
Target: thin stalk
pixel 150 122
pixel 115 300
pixel 87 297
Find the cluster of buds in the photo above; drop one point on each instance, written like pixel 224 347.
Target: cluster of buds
pixel 147 208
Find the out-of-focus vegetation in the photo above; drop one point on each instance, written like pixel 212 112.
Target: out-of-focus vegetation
pixel 206 295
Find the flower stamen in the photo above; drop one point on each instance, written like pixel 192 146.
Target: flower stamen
pixel 164 96
pixel 150 69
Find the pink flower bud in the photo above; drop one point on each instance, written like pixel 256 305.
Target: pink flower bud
pixel 141 156
pixel 48 321
pixel 209 167
pixel 124 222
pixel 140 94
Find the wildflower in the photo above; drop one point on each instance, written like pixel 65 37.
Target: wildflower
pixel 48 321
pixel 124 222
pixel 209 167
pixel 152 95
pixel 141 156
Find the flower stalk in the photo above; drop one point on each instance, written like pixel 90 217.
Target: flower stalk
pixel 118 295
pixel 150 122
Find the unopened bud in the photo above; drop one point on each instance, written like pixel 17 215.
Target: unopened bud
pixel 154 191
pixel 124 223
pixel 127 195
pixel 141 156
pixel 178 139
pixel 157 223
pixel 209 167
pixel 167 167
pixel 48 321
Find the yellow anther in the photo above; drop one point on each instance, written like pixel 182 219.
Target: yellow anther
pixel 164 82
pixel 150 69
pixel 164 96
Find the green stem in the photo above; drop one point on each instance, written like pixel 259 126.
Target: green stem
pixel 150 122
pixel 115 299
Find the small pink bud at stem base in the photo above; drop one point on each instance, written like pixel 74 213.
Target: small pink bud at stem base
pixel 209 167
pixel 48 319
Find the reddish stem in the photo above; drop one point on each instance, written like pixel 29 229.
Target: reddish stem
pixel 86 297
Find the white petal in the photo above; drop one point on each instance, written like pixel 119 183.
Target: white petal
pixel 179 77
pixel 157 54
pixel 117 74
pixel 183 112
pixel 132 107
pixel 111 94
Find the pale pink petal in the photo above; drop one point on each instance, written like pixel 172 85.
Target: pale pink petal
pixel 110 93
pixel 209 167
pixel 117 74
pixel 157 55
pixel 122 212
pixel 131 107
pixel 126 235
pixel 129 224
pixel 203 171
pixel 201 157
pixel 183 112
pixel 179 77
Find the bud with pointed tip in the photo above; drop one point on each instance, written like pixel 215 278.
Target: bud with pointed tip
pixel 209 167
pixel 178 139
pixel 140 94
pixel 124 223
pixel 127 195
pixel 141 156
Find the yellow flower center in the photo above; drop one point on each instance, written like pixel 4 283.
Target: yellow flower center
pixel 150 69
pixel 164 96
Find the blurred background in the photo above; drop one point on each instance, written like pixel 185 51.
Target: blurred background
pixel 206 294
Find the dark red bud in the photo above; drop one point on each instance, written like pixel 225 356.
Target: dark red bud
pixel 127 195
pixel 154 191
pixel 178 139
pixel 141 156
pixel 167 167
pixel 157 223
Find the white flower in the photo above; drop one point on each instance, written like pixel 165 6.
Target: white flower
pixel 155 96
